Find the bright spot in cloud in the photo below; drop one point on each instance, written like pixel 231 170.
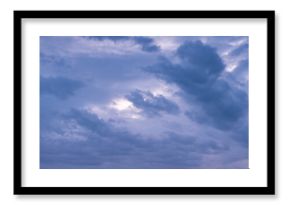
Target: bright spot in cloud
pixel 126 108
pixel 121 104
pixel 167 44
pixel 162 90
pixel 94 109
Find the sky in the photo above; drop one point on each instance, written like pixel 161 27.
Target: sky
pixel 144 102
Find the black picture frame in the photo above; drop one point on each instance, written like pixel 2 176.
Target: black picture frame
pixel 268 190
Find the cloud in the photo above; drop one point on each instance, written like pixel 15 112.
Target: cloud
pixel 240 75
pixel 106 146
pixel 198 74
pixel 146 43
pixel 174 108
pixel 199 64
pixel 52 59
pixel 59 87
pixel 112 38
pixel 241 50
pixel 78 46
pixel 152 105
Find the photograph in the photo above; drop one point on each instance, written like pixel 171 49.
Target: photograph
pixel 144 102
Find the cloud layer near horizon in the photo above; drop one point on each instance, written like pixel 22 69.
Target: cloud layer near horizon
pixel 135 102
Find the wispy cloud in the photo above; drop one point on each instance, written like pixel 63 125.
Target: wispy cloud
pixel 146 43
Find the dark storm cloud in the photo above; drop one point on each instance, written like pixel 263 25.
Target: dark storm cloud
pixel 200 65
pixel 146 43
pixel 110 147
pixel 198 75
pixel 152 105
pixel 59 87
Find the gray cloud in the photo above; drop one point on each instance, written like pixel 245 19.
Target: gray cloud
pixel 152 105
pixel 58 86
pixel 73 136
pixel 146 43
pixel 109 147
pixel 198 75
